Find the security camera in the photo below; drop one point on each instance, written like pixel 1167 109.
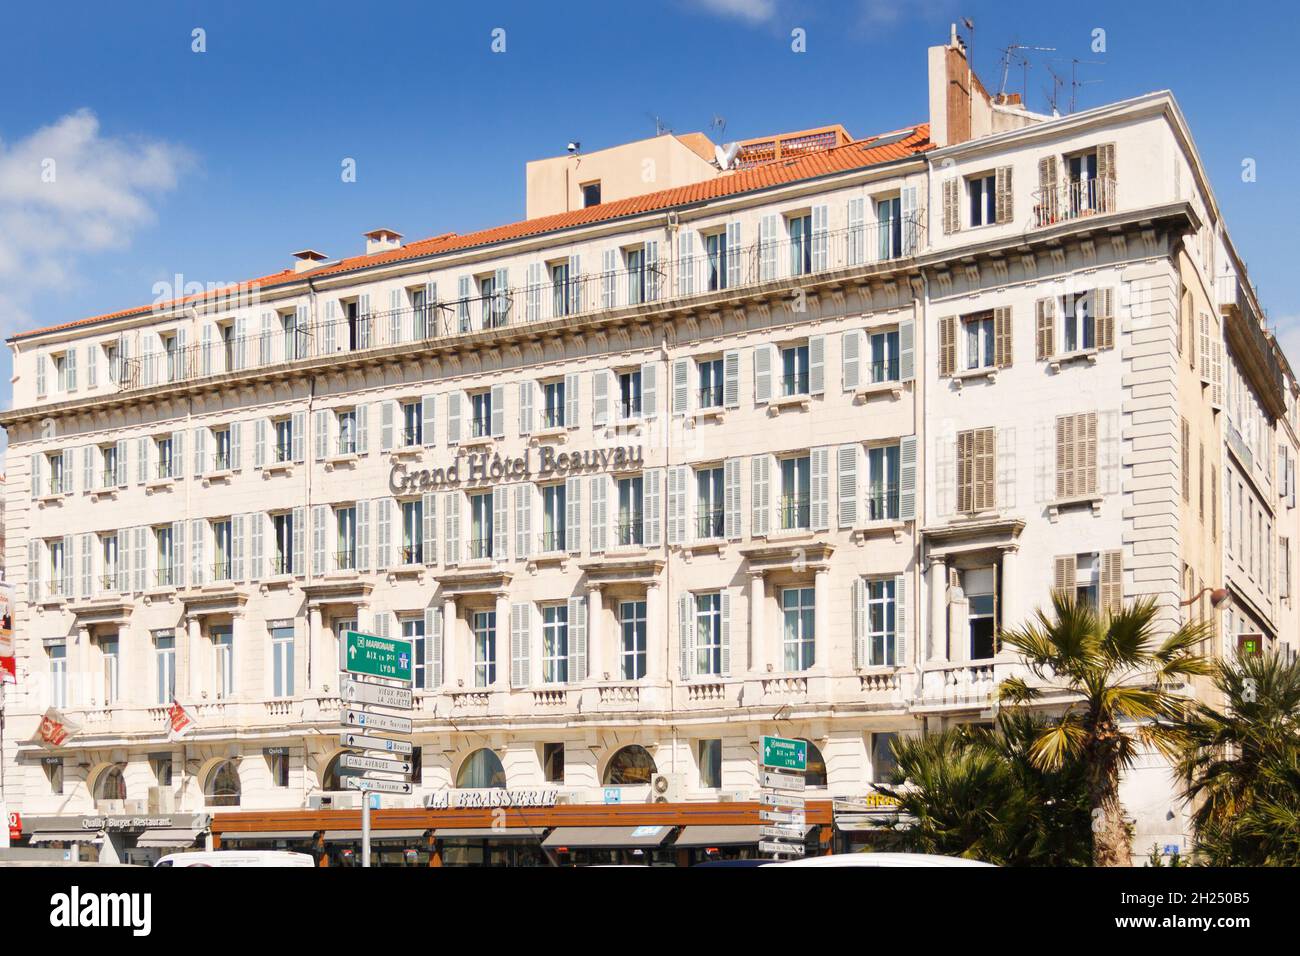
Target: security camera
pixel 574 146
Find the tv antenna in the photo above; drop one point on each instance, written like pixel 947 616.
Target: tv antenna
pixel 1018 54
pixel 719 125
pixel 1075 82
pixel 660 126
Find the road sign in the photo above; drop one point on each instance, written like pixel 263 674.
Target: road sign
pixel 794 818
pixel 366 742
pixel 373 774
pixel 778 832
pixel 788 801
pixel 793 849
pixel 377 786
pixel 384 764
pixel 354 717
pixel 783 753
pixel 782 781
pixel 376 656
pixel 357 692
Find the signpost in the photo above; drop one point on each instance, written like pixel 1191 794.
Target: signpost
pixel 783 762
pixel 376 672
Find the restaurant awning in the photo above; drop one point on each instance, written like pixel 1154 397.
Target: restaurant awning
pixel 718 836
pixel 376 836
pixel 607 837
pixel 163 837
pixel 487 833
pixel 66 836
pixel 248 836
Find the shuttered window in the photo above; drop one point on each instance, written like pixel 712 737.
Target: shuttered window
pixel 976 469
pixel 1076 455
pixel 947 345
pixel 1187 461
pixel 1045 328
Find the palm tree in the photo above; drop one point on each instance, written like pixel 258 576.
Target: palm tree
pixel 1241 764
pixel 1119 678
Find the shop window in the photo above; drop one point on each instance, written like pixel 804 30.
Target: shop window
pixel 630 766
pixel 481 769
pixel 553 763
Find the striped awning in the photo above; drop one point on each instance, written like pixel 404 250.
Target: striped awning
pixel 66 836
pixel 607 837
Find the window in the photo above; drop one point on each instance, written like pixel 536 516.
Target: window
pixel 796 479
pixel 794 370
pixel 221 460
pixel 883 762
pixel 553 518
pixel 223 660
pixel 282 530
pixel 553 404
pixel 980 588
pixel 1076 456
pixel 889 214
pixel 164 656
pixel 161 765
pixel 591 194
pixel 227 332
pixel 61 371
pixel 283 439
pixel 480 517
pixel 282 661
pixel 983 199
pixel 555 644
pixel 1079 324
pixel 976 470
pixel 708 633
pixel 1087 573
pixel 715 246
pixel 480 404
pixel 54 774
pixel 108 477
pixel 485 649
pixel 222 788
pixel 553 763
pixel 799 631
pixel 978 333
pixel 163 447
pixel 412 425
pixel 59 675
pixel 636 275
pixel 221 549
pixel 277 762
pixel 108 562
pixel 882 611
pixel 630 514
pixel 709 515
pixel 413 631
pixel 348 432
pixel 710 756
pixel 55 465
pixel 54 547
pixel 711 393
pixel 1084 194
pixel 114 361
pixel 166 557
pixel 632 626
pixel 800 245
pixel 629 767
pixel 412 531
pixel 111 650
pixel 629 394
pixel 564 290
pixel 345 555
pixel 110 784
pixel 882 483
pixel 481 770
pixel 884 356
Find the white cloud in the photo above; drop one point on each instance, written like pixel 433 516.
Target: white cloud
pixel 753 11
pixel 66 191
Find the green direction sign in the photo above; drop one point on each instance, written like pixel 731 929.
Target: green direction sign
pixel 376 656
pixel 782 753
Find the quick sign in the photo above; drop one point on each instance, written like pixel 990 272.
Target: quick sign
pixel 376 656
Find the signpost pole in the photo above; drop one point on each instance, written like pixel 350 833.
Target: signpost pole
pixel 365 827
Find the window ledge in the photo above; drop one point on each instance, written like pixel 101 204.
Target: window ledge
pixel 51 601
pixel 1065 504
pixel 866 392
pixel 554 433
pixel 776 405
pixel 163 592
pixel 627 550
pixel 407 572
pixel 341 573
pixel 276 582
pixel 789 534
pixel 278 468
pixel 97 493
pixel 153 484
pixel 704 545
pixel 892 526
pixel 715 413
pixel 975 374
pixel 44 500
pixel 218 477
pixel 405 453
pixel 1066 358
pixel 348 460
pixel 477 441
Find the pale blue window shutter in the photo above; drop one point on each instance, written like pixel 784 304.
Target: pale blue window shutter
pixel 856 231
pixel 573 514
pixel 178 553
pixel 571 405
pixel 907 350
pixel 124 560
pixel 384 506
pixel 236 445
pixel 321 431
pixel 386 425
pixel 255 566
pixel 851 359
pixel 429 417
pixel 653 507
pixel 87 547
pixel 767 231
pixel 846 462
pixel 498 411
pixel 70 369
pixel 178 454
pixel 364 319
pixel 900 619
pixel 600 398
pixel 652 283
pixel 575 284
pixel 37 463
pixel 299 427
pixel 759 496
pixel 241 343
pixel 820 237
pixel 238 529
pixel 520 645
pixel 451 527
pixel 40 376
pixel 533 293
pixel 453 417
pixel 329 334
pixel 430 309
pixel 731 499
pixel 816 364
pixel 763 357
pixel 907 478
pixel 577 640
pixel 608 278
pixel 725 602
pixel 141 562
pixel 122 447
pixel 65 584
pixel 649 390
pixel 731 379
pixel 88 468
pixel 434 642
pixel 362 413
pixel 500 523
pixel 92 366
pixel 860 622
pixel 198 573
pixel 820 505
pixel 462 303
pixel 907 209
pixel 677 504
pixel 686 635
pixel 142 460
pixel 205 350
pixel 681 386
pixel 501 295
pixel 685 262
pixel 264 341
pixel 201 450
pixel 523 520
pixel 734 255
pixel 299 541
pixel 259 443
pixel 363 535
pixel 395 317
pixel 526 407
pixel 430 507
pixel 319 526
pixel 598 512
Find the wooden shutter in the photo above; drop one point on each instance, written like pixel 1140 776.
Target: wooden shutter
pixel 965 460
pixel 1047 195
pixel 816 364
pixel 429 504
pixel 598 512
pixel 1004 195
pixel 573 514
pixel 523 520
pixel 677 478
pixel 759 497
pixel 731 499
pixel 1002 336
pixel 653 513
pixel 571 400
pixel 846 484
pixel 763 356
pixel 1063 575
pixel 819 465
pixel 498 422
pixel 520 639
pixel 1064 457
pixel 1085 459
pixel 649 390
pixel 1045 328
pixel 985 469
pixel 500 523
pixel 907 478
pixel 1106 177
pixel 951 205
pixel 526 407
pixel 731 379
pixel 428 419
pixel 681 386
pixel 1112 581
pixel 906 350
pixel 577 639
pixel 1103 301
pixel 947 346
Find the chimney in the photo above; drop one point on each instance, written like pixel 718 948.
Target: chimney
pixel 959 105
pixel 308 259
pixel 381 240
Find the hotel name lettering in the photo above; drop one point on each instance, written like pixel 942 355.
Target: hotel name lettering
pixel 479 468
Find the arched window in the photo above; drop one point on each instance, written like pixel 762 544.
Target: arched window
pixel 222 788
pixel 330 780
pixel 815 775
pixel 110 784
pixel 481 769
pixel 631 765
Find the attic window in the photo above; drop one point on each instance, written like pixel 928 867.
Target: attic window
pixel 590 194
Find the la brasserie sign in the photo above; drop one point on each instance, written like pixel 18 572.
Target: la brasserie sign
pixel 491 468
pixel 490 798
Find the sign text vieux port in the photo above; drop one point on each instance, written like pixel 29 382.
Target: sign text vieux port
pixel 491 467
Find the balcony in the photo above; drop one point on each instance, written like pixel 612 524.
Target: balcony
pixel 676 280
pixel 1070 201
pixel 710 524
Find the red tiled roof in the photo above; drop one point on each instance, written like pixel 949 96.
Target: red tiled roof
pixel 857 155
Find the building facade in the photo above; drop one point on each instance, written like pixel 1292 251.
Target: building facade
pixel 774 449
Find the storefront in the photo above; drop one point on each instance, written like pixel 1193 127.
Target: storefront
pixel 118 839
pixel 872 822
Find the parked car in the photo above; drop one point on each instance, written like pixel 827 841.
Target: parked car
pixel 883 859
pixel 237 858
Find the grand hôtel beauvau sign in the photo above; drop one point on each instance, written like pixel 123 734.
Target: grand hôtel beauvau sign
pixel 477 468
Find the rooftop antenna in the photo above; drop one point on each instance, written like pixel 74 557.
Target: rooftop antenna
pixel 1012 53
pixel 718 124
pixel 1075 82
pixel 660 126
pixel 1054 97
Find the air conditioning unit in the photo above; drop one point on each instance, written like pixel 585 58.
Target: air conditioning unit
pixel 667 788
pixel 162 800
pixel 732 796
pixel 565 797
pixel 136 808
pixel 346 801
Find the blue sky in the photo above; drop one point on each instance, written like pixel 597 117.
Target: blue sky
pixel 217 165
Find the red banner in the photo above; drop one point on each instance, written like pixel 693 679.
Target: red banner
pixel 180 720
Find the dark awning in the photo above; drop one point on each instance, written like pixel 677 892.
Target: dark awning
pixel 740 835
pixel 66 836
pixel 487 833
pixel 162 837
pixel 608 837
pixel 376 836
pixel 245 836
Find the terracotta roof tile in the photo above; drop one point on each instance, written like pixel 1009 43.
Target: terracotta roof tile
pixel 857 155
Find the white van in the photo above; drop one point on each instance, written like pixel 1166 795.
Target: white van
pixel 237 858
pixel 883 859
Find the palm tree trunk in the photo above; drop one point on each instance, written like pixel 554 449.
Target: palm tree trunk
pixel 1111 841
